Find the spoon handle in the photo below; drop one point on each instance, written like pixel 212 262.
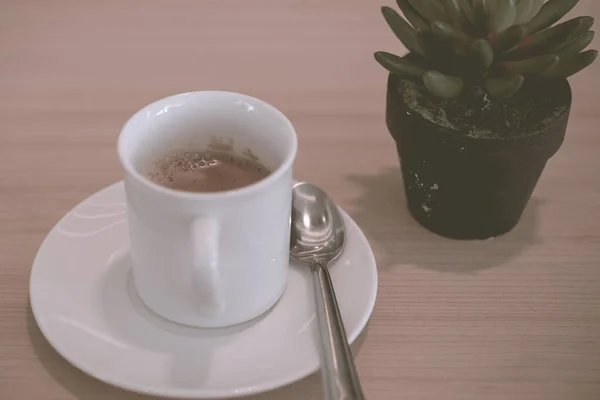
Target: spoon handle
pixel 340 380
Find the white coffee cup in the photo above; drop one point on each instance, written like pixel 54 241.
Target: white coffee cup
pixel 209 259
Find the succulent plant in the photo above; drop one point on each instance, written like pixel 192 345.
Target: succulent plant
pixel 489 45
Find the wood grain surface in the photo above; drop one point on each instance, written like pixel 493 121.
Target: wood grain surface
pixel 517 317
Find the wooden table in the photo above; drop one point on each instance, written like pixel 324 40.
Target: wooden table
pixel 513 318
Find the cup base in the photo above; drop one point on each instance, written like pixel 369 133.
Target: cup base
pixel 214 324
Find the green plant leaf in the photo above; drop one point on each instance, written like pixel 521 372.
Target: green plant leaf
pixel 523 11
pixel 503 87
pixel 442 85
pixel 550 39
pixel 508 38
pixel 482 13
pixel 584 25
pixel 467 10
pixel 455 14
pixel 504 15
pixel 431 10
pixel 434 49
pixel 570 66
pixel 549 13
pixel 576 45
pixel 440 54
pixel 402 29
pixel 415 19
pixel 535 9
pixel 399 66
pixel 458 39
pixel 530 66
pixel 481 54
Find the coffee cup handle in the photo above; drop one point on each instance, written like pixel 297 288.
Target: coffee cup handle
pixel 207 292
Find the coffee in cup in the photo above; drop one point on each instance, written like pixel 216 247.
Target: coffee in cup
pixel 206 171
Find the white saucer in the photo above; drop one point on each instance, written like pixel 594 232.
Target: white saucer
pixel 83 300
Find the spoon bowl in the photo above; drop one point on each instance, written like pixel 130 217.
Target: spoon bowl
pixel 317 230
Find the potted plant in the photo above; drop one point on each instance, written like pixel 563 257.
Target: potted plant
pixel 479 105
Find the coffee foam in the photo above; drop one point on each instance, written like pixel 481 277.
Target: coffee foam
pixel 165 168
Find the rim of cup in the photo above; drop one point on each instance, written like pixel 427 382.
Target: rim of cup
pixel 254 187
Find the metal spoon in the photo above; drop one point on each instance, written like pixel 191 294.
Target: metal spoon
pixel 317 238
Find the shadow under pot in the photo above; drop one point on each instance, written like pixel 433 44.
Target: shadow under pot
pixel 470 167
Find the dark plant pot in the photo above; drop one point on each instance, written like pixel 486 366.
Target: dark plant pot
pixel 464 187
